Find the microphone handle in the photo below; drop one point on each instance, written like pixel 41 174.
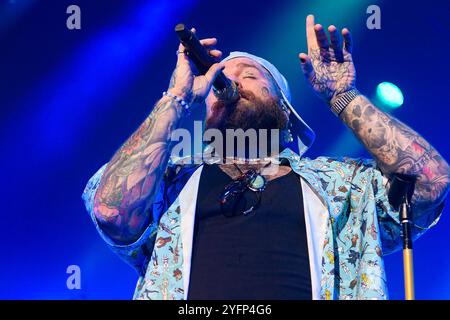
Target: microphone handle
pixel 199 56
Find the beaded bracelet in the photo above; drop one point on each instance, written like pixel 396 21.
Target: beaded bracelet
pixel 181 102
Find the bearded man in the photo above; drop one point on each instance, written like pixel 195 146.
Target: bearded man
pixel 237 229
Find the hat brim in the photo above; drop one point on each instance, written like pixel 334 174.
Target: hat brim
pixel 303 136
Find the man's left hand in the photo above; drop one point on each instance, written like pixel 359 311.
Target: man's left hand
pixel 328 66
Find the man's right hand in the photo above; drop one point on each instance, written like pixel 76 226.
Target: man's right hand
pixel 127 189
pixel 194 89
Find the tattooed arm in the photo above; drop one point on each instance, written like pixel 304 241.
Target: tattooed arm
pixel 329 69
pixel 399 149
pixel 131 180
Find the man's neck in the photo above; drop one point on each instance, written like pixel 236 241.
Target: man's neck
pixel 268 168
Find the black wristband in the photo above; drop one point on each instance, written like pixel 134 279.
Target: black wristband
pixel 340 104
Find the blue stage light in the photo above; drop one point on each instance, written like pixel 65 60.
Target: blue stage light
pixel 390 95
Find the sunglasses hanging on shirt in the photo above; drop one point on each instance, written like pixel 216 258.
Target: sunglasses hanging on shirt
pixel 235 200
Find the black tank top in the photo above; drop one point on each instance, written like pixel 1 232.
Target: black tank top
pixel 262 255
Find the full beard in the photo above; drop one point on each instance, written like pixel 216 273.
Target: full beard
pixel 249 112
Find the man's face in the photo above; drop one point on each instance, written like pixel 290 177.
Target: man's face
pixel 259 104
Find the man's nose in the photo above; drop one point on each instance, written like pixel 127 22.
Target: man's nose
pixel 230 75
pixel 233 78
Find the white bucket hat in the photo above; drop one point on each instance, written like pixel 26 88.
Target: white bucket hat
pixel 303 136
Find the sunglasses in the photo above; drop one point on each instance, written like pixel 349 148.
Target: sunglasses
pixel 232 198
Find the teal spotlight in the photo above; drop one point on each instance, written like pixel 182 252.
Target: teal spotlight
pixel 389 94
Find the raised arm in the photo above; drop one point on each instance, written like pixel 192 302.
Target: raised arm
pixel 399 149
pixel 131 179
pixel 396 147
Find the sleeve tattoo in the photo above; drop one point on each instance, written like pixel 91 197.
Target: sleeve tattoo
pixel 128 187
pixel 399 149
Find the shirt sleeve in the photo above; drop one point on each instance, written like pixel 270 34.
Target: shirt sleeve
pixel 389 218
pixel 136 254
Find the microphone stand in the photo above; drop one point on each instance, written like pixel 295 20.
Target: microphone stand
pixel 400 193
pixel 408 269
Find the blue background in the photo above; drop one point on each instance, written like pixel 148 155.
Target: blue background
pixel 69 99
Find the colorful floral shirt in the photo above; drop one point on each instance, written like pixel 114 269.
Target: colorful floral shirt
pixel 350 227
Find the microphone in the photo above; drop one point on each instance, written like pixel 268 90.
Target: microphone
pixel 223 88
pixel 401 190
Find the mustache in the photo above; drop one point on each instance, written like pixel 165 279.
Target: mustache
pixel 246 94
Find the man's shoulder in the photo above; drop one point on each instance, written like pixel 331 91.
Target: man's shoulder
pixel 346 165
pixel 333 160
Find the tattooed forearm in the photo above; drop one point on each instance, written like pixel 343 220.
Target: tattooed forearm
pixel 399 149
pixel 132 177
